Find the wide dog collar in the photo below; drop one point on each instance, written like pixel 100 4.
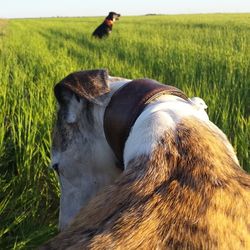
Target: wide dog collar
pixel 126 104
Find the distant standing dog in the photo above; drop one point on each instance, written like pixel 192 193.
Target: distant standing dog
pixel 105 28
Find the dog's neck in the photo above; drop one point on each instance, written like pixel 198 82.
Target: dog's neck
pixel 125 107
pixel 109 22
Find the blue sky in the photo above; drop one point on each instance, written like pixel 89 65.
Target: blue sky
pixel 49 8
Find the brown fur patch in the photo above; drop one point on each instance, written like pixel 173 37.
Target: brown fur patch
pixel 189 194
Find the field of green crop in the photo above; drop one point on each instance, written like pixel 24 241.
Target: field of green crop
pixel 204 55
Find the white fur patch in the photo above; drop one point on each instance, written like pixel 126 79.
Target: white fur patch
pixel 200 105
pixel 159 117
pixel 199 102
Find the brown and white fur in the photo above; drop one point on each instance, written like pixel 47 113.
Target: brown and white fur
pixel 182 186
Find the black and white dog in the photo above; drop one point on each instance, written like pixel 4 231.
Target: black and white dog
pixel 106 27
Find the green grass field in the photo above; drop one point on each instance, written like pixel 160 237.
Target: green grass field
pixel 204 55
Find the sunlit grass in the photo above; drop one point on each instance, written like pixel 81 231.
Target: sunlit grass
pixel 204 55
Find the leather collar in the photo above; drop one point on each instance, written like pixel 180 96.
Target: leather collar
pixel 125 106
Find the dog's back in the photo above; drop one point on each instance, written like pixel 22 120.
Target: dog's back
pixel 190 193
pixel 102 30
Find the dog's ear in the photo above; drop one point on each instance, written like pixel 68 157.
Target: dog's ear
pixel 88 84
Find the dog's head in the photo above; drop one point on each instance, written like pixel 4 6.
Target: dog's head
pixel 80 153
pixel 113 16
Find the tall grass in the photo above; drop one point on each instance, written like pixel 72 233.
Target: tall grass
pixel 204 55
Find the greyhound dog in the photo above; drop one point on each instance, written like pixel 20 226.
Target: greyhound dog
pixel 141 166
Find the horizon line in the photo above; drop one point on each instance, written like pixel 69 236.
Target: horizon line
pixel 146 14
